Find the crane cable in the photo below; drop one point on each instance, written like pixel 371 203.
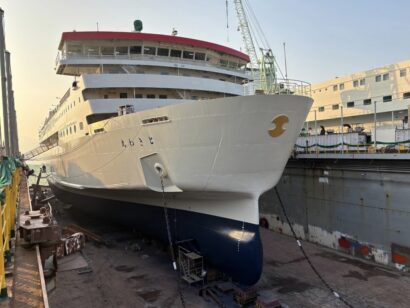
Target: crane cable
pixel 324 282
pixel 171 246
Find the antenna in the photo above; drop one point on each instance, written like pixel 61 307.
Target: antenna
pixel 97 27
pixel 286 66
pixel 227 21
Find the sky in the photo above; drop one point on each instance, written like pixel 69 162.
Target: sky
pixel 323 38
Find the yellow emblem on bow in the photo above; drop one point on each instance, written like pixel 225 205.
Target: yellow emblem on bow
pixel 279 122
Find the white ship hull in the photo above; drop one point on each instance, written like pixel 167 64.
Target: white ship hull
pixel 218 152
pixel 218 157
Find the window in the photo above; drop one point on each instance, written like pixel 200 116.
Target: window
pixel 335 107
pixel 367 101
pixel 70 130
pixel 176 53
pixel 350 104
pixel 105 96
pixel 75 129
pixel 335 88
pixel 403 72
pixel 406 95
pixel 150 95
pixel 138 96
pixel 164 73
pixel 362 82
pixel 164 52
pixel 387 98
pixel 162 96
pixel 188 54
pixel 81 125
pixel 223 62
pixel 92 50
pixel 200 56
pixel 121 50
pixel 378 78
pixel 107 51
pixel 149 50
pixel 123 95
pixel 341 86
pixel 321 109
pixel 386 76
pixel 355 83
pixel 135 50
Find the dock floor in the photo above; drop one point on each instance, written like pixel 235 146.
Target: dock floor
pixel 27 289
pixel 133 273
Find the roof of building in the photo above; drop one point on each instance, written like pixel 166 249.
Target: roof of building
pixel 104 35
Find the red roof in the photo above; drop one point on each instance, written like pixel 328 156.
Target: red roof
pixel 103 35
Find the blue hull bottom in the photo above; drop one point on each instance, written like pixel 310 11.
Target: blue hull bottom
pixel 229 245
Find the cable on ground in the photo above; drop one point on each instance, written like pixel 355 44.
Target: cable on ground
pixel 299 243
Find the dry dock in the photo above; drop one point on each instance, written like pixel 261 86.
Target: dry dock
pixel 134 272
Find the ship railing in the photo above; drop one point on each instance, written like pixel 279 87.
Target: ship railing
pixel 61 57
pixel 280 87
pixel 39 150
pixel 293 86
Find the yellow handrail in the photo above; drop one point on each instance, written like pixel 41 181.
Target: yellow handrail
pixel 7 223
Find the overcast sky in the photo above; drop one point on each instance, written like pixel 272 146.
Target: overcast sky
pixel 324 38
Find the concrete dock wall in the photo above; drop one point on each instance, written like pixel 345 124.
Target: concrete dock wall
pixel 361 207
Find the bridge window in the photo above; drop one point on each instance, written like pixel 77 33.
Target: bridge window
pixel 335 106
pixel 355 83
pixel 162 96
pixel 150 95
pixel 362 82
pixel 350 104
pixel 188 54
pixel 149 50
pixel 135 50
pixel 138 96
pixel 386 76
pixel 123 95
pixel 406 95
pixel 200 56
pixel 321 109
pixel 367 101
pixel 164 52
pixel 122 50
pixel 81 125
pixel 378 78
pixel 107 51
pixel 92 50
pixel 403 72
pixel 176 53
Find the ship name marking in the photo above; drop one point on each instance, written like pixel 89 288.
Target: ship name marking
pixel 131 143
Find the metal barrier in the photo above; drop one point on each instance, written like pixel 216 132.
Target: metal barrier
pixel 7 223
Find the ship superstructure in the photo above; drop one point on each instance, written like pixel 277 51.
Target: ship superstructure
pixel 151 114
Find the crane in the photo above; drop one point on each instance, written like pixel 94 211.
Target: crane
pixel 262 68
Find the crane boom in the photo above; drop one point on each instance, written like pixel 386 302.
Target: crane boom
pixel 263 69
pixel 246 34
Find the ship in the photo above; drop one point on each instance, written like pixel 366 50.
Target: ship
pixel 159 132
